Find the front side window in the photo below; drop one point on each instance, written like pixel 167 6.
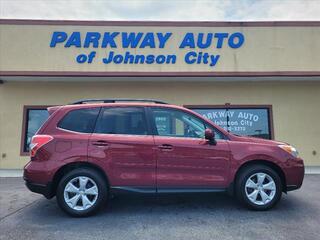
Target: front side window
pixel 122 120
pixel 175 123
pixel 80 120
pixel 34 118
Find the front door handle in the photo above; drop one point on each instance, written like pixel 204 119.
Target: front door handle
pixel 100 143
pixel 165 147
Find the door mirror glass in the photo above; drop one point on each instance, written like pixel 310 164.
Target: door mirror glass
pixel 209 135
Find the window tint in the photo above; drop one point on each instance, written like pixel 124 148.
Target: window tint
pixel 177 123
pixel 35 119
pixel 81 120
pixel 122 121
pixel 253 122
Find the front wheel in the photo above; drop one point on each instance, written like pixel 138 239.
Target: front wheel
pixel 81 192
pixel 259 187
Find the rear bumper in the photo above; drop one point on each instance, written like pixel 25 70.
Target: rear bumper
pixel 292 187
pixel 38 178
pixel 45 190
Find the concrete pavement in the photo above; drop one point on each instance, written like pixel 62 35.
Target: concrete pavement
pixel 25 215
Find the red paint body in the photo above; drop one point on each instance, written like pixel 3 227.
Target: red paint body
pixel 147 161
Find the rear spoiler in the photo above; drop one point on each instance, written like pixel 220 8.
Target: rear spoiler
pixel 53 109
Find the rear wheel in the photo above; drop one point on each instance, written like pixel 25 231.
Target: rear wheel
pixel 81 192
pixel 258 187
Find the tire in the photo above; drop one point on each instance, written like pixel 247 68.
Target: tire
pixel 254 194
pixel 82 192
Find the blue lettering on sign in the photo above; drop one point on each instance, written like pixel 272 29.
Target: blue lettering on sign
pixel 108 40
pixel 163 38
pixel 188 41
pixel 190 57
pixel 58 37
pixel 204 42
pixel 199 58
pixel 131 39
pixel 74 40
pixel 236 40
pixel 220 37
pixel 92 37
pixel 147 40
pixel 129 58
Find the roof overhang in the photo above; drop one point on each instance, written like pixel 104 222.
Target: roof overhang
pixel 158 79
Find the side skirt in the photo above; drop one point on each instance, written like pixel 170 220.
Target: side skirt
pixel 166 190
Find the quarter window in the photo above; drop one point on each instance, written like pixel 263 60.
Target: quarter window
pixel 80 120
pixel 120 120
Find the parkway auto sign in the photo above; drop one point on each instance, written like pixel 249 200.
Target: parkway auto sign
pixel 110 41
pixel 63 48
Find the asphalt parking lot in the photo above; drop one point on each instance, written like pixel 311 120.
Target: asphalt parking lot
pixel 25 215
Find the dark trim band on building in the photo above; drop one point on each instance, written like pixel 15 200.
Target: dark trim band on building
pixel 160 74
pixel 162 23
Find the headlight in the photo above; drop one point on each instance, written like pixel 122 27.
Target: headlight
pixel 289 149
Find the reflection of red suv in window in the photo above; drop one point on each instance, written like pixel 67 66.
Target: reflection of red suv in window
pixel 88 150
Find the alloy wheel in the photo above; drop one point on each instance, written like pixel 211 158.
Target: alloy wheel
pixel 260 188
pixel 81 193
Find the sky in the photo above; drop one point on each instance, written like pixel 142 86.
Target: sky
pixel 162 10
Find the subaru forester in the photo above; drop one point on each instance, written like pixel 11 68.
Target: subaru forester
pixel 89 150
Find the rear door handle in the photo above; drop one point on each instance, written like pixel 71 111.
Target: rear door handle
pixel 165 147
pixel 100 143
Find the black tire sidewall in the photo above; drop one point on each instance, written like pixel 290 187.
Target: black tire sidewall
pixel 102 191
pixel 240 186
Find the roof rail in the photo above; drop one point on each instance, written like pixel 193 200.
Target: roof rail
pixel 113 100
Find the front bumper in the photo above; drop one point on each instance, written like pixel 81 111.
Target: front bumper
pixel 294 173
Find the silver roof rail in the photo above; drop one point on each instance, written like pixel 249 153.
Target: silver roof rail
pixel 113 100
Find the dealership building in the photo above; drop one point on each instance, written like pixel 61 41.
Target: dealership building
pixel 253 78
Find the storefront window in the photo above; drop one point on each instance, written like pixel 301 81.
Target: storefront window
pixel 245 121
pixel 34 118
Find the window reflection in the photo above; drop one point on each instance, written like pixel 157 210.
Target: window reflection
pixel 241 121
pixel 35 119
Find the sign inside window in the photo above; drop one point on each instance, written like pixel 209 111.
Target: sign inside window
pixel 163 124
pixel 241 121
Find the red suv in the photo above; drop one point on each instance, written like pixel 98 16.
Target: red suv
pixel 88 150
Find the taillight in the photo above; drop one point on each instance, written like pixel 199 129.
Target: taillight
pixel 37 142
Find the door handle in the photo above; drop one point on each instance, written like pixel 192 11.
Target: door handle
pixel 100 143
pixel 165 147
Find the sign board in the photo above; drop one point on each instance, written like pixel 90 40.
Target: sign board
pixel 158 48
pixel 242 121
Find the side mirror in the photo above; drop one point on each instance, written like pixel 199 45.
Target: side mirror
pixel 209 135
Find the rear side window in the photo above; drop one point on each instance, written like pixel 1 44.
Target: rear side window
pixel 122 120
pixel 80 120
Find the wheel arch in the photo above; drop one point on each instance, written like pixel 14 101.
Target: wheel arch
pixel 74 165
pixel 267 163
